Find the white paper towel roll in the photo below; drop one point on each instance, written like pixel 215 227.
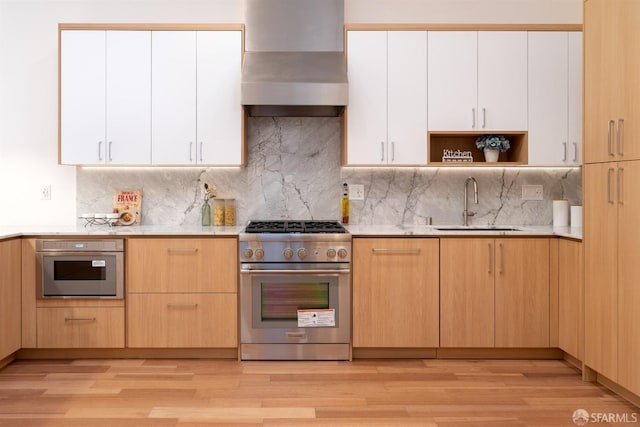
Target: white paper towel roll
pixel 576 216
pixel 560 213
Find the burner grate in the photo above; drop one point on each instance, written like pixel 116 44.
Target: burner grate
pixel 294 227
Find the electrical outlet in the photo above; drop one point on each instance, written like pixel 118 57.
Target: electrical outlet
pixel 532 192
pixel 45 192
pixel 356 192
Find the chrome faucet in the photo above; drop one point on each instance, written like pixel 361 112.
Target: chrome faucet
pixel 465 213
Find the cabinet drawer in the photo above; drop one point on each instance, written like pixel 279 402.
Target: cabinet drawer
pixel 80 327
pixel 182 320
pixel 182 265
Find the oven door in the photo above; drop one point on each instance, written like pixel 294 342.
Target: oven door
pixel 295 306
pixel 80 275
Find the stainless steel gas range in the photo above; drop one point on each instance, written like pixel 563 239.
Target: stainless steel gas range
pixel 295 291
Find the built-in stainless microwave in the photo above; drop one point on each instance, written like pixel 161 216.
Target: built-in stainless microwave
pixel 80 268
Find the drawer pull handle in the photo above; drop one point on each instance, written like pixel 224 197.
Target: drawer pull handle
pixel 295 334
pixel 395 251
pixel 183 250
pixel 71 319
pixel 172 305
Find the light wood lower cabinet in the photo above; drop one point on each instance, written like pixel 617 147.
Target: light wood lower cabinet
pixel 494 292
pixel 395 292
pixel 182 320
pixel 10 255
pixel 182 292
pixel 571 298
pixel 80 327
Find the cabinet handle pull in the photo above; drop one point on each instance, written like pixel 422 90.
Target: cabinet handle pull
pixel 564 155
pixel 473 118
pixel 110 144
pixel 501 258
pixel 295 334
pixel 381 151
pixel 619 183
pixel 191 151
pixel 76 319
pixel 484 117
pixel 395 251
pixel 620 137
pixel 393 151
pixel 201 159
pixel 575 151
pixel 609 197
pixel 182 250
pixel 609 137
pixel 175 305
pixel 490 263
pixel 100 150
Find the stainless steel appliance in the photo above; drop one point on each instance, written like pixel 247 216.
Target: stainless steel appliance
pixel 80 268
pixel 295 291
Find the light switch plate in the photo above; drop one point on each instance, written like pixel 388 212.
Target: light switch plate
pixel 356 192
pixel 532 192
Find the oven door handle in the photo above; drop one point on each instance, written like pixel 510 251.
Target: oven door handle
pixel 262 271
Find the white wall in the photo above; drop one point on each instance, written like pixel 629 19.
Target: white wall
pixel 29 85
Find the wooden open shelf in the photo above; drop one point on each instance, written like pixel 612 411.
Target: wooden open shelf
pixel 437 142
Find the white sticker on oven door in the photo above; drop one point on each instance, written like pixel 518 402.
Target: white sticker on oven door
pixel 316 318
pixel 98 263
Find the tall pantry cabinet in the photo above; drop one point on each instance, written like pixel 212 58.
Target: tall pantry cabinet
pixel 611 198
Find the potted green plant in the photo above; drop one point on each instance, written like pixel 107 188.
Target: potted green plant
pixel 492 145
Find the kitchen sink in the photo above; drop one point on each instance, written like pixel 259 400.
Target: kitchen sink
pixel 475 228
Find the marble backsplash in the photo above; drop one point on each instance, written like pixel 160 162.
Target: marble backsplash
pixel 293 172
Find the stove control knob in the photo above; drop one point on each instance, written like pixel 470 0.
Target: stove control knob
pixel 247 253
pixel 302 253
pixel 288 253
pixel 259 253
pixel 342 253
pixel 331 253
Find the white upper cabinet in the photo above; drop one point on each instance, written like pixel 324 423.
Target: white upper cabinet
pixel 477 81
pixel 105 93
pixel 219 110
pixel 197 116
pixel 555 98
pixel 173 94
pixel 387 113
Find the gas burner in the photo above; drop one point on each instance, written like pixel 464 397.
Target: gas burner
pixel 294 227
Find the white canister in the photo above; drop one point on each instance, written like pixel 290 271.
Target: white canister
pixel 560 213
pixel 576 216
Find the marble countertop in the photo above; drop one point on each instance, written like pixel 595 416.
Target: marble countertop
pixel 7 232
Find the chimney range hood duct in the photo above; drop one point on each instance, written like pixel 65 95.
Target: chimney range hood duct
pixel 294 63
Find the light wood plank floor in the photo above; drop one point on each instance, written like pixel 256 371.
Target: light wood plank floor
pixel 183 393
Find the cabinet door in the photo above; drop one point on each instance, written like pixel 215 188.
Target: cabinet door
pixel 628 274
pixel 82 97
pixel 630 131
pixel 182 320
pixel 182 265
pixel 367 111
pixel 173 95
pixel 395 292
pixel 407 97
pixel 81 327
pixel 522 293
pixel 128 97
pixel 502 80
pixel 574 152
pixel 218 99
pixel 467 292
pixel 603 76
pixel 571 297
pixel 601 271
pixel 452 80
pixel 10 291
pixel 548 98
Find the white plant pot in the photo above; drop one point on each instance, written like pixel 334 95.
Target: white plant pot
pixel 491 156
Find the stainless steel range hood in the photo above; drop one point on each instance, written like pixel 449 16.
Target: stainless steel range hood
pixel 294 63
